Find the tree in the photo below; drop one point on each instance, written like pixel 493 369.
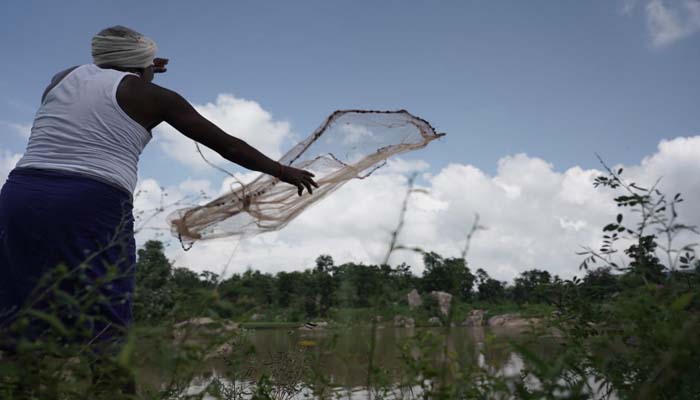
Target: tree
pixel 155 293
pixel 599 284
pixel 530 286
pixel 153 270
pixel 490 289
pixel 449 275
pixel 324 262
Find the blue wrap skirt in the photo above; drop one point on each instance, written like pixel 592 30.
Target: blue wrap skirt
pixel 66 249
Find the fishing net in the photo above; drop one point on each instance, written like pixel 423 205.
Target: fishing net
pixel 350 144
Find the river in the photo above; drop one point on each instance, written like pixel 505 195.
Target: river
pixel 334 362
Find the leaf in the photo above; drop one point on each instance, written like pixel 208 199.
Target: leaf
pixel 124 357
pixel 681 302
pixel 51 320
pixel 610 227
pixel 619 218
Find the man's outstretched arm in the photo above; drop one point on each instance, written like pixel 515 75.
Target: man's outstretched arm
pixel 179 113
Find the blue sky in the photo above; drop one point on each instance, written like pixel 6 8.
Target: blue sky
pixel 558 80
pixel 527 92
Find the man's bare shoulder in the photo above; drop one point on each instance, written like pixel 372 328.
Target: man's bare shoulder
pixel 136 87
pixel 148 103
pixel 148 95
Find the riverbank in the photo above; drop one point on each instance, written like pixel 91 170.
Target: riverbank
pixel 463 314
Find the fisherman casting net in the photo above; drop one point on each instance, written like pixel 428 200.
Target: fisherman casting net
pixel 350 144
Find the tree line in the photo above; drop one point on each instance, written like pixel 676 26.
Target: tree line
pixel 163 290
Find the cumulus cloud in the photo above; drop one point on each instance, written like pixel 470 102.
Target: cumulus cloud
pixel 536 217
pixel 242 118
pixel 8 160
pixel 21 129
pixel 669 22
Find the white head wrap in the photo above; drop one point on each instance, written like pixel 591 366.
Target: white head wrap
pixel 119 46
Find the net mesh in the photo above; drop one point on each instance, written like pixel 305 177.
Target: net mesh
pixel 350 144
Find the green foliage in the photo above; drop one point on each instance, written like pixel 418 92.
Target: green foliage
pixel 489 289
pixel 530 286
pixel 630 325
pixel 449 275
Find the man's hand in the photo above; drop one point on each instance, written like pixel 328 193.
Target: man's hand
pixel 159 65
pixel 297 177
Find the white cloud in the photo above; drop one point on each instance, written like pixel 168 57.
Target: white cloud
pixel 22 129
pixel 669 22
pixel 242 118
pixel 536 217
pixel 355 134
pixel 8 160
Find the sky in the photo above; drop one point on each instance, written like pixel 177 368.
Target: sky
pixel 527 92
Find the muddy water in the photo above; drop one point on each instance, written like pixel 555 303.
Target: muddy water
pixel 338 359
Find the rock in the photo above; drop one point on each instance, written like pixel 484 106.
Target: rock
pixel 434 321
pixel 221 351
pixel 314 326
pixel 194 327
pixel 511 321
pixel 414 299
pixel 404 322
pixel 229 326
pixel 377 318
pixel 444 301
pixel 256 317
pixel 195 321
pixel 474 318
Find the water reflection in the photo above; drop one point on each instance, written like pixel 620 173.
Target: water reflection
pixel 334 362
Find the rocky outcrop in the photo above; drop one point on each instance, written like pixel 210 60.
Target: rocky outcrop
pixel 314 326
pixel 195 327
pixel 221 351
pixel 257 317
pixel 511 321
pixel 444 301
pixel 201 321
pixel 401 321
pixel 474 318
pixel 414 299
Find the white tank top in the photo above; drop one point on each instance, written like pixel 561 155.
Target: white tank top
pixel 80 128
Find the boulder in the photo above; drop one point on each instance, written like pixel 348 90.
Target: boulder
pixel 511 321
pixel 229 326
pixel 474 318
pixel 404 322
pixel 434 321
pixel 256 317
pixel 314 326
pixel 195 322
pixel 444 301
pixel 414 299
pixel 221 351
pixel 194 327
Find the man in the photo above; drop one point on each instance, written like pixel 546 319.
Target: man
pixel 68 202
